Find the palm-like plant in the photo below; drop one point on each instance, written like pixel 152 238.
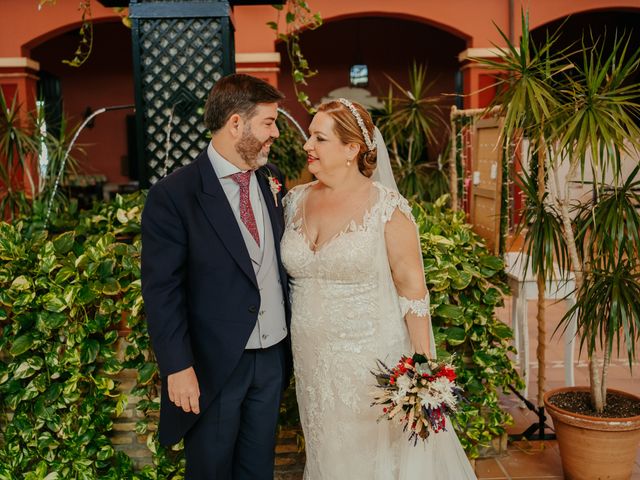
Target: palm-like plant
pixel 526 100
pixel 583 114
pixel 22 141
pixel 17 151
pixel 408 123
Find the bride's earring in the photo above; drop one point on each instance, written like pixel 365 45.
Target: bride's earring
pixel 348 163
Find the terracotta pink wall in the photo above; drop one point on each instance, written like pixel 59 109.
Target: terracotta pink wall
pixel 23 24
pixel 106 79
pixel 471 19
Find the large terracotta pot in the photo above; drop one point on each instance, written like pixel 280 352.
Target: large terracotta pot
pixel 594 448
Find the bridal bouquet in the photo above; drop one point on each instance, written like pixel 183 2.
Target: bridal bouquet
pixel 419 392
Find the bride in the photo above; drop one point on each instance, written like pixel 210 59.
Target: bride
pixel 358 293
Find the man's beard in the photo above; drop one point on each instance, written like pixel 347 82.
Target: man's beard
pixel 250 149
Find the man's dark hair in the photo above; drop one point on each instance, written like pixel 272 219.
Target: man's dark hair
pixel 239 94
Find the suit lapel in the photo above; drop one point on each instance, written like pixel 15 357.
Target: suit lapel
pixel 216 208
pixel 277 221
pixel 275 213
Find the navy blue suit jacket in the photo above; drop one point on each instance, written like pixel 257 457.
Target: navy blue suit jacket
pixel 200 291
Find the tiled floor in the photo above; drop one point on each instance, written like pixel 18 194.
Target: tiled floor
pixel 541 459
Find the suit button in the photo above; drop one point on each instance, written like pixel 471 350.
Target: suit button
pixel 253 309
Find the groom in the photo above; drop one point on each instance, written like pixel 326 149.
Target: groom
pixel 215 291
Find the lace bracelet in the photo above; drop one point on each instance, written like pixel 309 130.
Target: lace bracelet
pixel 418 307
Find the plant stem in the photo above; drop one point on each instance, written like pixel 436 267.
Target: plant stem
pixel 596 385
pixel 576 264
pixel 453 172
pixel 541 317
pixel 605 370
pixel 542 338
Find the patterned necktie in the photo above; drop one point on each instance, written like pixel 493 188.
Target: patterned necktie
pixel 246 212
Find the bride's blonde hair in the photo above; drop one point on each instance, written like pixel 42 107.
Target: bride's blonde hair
pixel 348 131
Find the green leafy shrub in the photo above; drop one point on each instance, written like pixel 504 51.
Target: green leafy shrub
pixel 63 294
pixel 466 284
pixel 287 152
pixel 65 291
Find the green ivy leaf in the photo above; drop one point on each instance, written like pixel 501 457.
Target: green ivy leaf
pixel 82 261
pixel 64 242
pixel 146 372
pixel 482 359
pixel 111 287
pixel 52 393
pixel 461 280
pixel 64 274
pixel 105 452
pixel 455 335
pixel 502 331
pixel 121 215
pixel 24 370
pixel 494 263
pixel 20 284
pixel 298 76
pixel 48 262
pixel 89 351
pixel 121 404
pixel 53 302
pixel 452 312
pixel 21 345
pixel 110 337
pixel 492 297
pixel 85 295
pixel 112 366
pixel 23 300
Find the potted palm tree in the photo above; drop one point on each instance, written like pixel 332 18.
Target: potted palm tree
pixel 579 109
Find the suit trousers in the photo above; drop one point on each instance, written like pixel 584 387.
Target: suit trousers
pixel 234 439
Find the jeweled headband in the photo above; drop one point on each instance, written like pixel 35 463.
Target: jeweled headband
pixel 367 139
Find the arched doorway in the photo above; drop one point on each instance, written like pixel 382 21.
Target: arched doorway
pixel 601 25
pixel 106 79
pixel 387 45
pixel 604 28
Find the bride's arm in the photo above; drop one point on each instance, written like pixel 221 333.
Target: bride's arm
pixel 405 260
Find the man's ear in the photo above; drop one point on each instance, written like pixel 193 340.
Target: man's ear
pixel 235 125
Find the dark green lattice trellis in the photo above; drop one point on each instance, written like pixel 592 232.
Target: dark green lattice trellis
pixel 180 49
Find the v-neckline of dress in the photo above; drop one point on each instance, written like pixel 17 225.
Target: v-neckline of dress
pixel 346 229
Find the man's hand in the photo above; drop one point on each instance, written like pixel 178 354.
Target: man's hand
pixel 184 391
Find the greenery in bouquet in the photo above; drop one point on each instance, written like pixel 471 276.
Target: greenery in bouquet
pixel 421 393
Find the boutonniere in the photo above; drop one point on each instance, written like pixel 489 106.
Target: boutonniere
pixel 275 186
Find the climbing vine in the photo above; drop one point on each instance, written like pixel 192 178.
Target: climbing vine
pixel 85 45
pixel 297 16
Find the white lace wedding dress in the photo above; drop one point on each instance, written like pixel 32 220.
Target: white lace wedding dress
pixel 346 314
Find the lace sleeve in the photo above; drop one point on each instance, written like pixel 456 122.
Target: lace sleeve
pixel 392 201
pixel 418 307
pixel 290 203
